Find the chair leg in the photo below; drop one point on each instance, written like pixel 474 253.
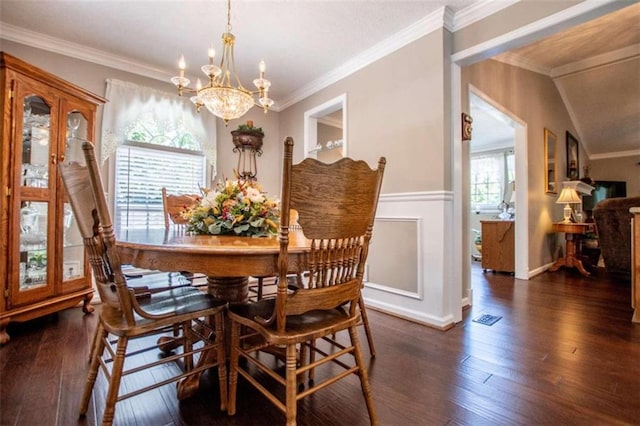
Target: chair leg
pixel 364 375
pixel 114 382
pixel 221 359
pixel 189 337
pixel 96 352
pixel 96 338
pixel 312 359
pixel 291 384
pixel 260 287
pixel 233 368
pixel 367 329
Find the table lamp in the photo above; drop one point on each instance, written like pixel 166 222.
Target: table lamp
pixel 567 197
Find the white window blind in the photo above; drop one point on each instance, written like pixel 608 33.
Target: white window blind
pixel 142 172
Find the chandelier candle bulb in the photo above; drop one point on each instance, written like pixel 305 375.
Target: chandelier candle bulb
pixel 212 54
pixel 182 66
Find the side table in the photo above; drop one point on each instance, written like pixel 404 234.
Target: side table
pixel 573 233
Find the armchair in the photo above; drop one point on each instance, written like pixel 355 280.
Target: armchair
pixel 613 222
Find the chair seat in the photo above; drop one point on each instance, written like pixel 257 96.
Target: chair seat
pixel 180 301
pixel 299 328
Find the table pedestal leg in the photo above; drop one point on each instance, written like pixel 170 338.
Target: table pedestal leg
pixel 234 290
pixel 571 258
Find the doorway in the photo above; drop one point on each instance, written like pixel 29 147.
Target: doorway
pixel 498 153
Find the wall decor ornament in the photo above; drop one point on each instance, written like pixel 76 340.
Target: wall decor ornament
pixel 573 157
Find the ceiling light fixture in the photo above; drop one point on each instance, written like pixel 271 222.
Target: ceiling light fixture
pixel 220 96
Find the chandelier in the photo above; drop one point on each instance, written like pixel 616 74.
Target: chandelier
pixel 219 95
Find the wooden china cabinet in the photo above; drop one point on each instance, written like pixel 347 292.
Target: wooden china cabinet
pixel 43 266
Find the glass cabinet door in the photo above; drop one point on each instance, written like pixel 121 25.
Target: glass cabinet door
pixel 33 275
pixel 36 143
pixel 73 262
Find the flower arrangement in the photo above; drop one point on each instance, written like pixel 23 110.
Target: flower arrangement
pixel 237 207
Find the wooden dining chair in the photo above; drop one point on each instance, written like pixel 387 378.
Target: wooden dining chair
pixel 175 205
pixel 127 314
pixel 336 205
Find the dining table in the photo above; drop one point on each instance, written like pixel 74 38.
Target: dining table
pixel 227 260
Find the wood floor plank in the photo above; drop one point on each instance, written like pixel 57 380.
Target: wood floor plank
pixel 564 352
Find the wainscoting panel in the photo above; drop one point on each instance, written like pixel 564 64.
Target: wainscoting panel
pixel 399 268
pixel 409 271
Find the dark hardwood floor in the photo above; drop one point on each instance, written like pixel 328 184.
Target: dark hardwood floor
pixel 564 353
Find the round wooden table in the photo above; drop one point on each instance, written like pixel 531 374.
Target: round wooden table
pixel 227 260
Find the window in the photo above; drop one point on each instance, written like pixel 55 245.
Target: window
pixel 141 173
pixel 490 177
pixel 156 140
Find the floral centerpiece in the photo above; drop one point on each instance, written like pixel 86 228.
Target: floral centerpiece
pixel 236 207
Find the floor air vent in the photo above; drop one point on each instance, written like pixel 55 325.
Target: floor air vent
pixel 487 319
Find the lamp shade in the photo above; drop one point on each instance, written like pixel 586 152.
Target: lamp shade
pixel 568 196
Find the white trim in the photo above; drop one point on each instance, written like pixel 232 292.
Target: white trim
pixel 608 58
pixel 540 270
pixel 417 196
pixel 618 154
pixel 313 116
pixel 566 18
pixel 460 285
pixel 433 306
pixel 522 184
pixel 414 315
pixel 478 11
pixel 78 51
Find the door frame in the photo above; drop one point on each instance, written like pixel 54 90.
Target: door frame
pixel 461 272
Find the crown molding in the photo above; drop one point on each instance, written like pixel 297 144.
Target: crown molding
pixel 618 154
pixel 78 51
pixel 424 26
pixel 478 11
pixel 608 58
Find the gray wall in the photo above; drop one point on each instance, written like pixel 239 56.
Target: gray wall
pixel 625 169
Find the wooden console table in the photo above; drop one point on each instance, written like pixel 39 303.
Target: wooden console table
pixel 573 233
pixel 498 249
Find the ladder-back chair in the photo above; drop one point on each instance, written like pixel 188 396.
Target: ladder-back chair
pixel 336 205
pixel 125 315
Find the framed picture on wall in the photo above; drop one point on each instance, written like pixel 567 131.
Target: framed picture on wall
pixel 573 157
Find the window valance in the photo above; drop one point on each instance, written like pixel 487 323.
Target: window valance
pixel 132 106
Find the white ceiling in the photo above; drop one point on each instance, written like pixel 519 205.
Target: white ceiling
pixel 305 42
